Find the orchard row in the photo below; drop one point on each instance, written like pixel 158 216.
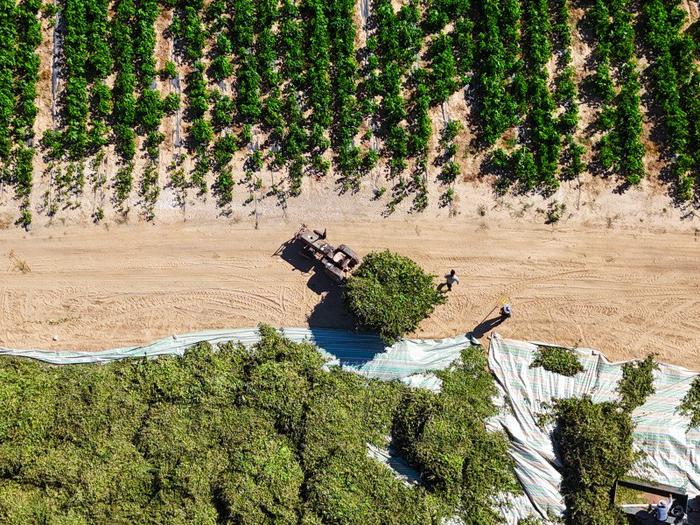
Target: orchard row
pixel 309 87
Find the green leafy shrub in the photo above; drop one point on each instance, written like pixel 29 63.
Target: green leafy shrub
pixel 637 382
pixel 594 444
pixel 170 103
pixel 449 172
pixel 554 212
pixel 149 110
pixel 223 188
pixel 444 70
pixel 444 436
pixel 201 133
pixel 391 294
pixel 558 360
pixel 690 406
pixel 25 217
pixel 169 71
pixel 123 181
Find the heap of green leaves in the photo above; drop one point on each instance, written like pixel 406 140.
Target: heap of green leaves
pixel 391 294
pixel 444 436
pixel 637 382
pixel 594 444
pixel 558 360
pixel 257 435
pixel 690 406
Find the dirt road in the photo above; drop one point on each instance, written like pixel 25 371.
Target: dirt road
pixel 626 293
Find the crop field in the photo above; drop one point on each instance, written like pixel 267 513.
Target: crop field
pixel 127 106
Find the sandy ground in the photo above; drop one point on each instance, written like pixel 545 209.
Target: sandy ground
pixel 626 292
pixel 617 272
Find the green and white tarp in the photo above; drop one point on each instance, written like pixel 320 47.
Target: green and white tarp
pixel 364 353
pixel 672 451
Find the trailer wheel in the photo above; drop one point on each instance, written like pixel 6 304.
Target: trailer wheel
pixel 677 511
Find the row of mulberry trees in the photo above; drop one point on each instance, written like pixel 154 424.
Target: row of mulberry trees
pixel 20 33
pixel 284 83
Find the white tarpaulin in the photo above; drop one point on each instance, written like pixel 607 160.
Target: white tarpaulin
pixel 671 449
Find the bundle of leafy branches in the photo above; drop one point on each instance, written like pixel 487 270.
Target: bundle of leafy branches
pixel 690 406
pixel 391 294
pixel 444 436
pixel 594 444
pixel 238 435
pixel 637 382
pixel 558 360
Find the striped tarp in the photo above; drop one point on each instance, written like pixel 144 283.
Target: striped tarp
pixel 671 450
pixel 363 353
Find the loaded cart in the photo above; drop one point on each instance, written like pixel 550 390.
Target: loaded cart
pixel 337 262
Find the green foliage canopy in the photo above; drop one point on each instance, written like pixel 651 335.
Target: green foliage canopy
pixel 444 436
pixel 637 382
pixel 594 443
pixel 558 360
pixel 251 436
pixel 690 406
pixel 391 294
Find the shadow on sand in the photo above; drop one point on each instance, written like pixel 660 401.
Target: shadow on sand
pixel 333 328
pixel 486 326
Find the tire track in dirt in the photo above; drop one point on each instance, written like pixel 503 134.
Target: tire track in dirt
pixel 626 293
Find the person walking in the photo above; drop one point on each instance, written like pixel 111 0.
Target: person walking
pixel 450 279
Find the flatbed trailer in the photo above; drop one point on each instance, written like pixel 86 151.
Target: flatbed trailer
pixel 337 262
pixel 681 509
